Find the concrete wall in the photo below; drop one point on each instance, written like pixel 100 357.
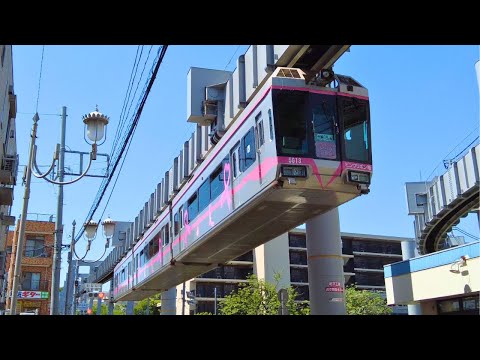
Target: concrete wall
pixel 277 260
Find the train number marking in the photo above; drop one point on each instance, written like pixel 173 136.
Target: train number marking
pixel 293 160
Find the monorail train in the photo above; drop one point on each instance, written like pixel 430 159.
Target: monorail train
pixel 296 151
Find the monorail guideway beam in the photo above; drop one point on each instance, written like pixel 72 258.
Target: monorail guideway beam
pixel 325 265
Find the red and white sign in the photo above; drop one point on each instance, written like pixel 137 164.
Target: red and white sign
pixel 32 295
pixel 334 286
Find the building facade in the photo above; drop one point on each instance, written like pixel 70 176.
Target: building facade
pixel 445 282
pixel 364 258
pixel 8 159
pixel 36 272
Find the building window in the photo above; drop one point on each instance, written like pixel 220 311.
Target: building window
pixel 299 275
pixel 376 247
pixel 34 247
pixel 31 281
pixel 298 257
pixel 297 240
pixel 466 306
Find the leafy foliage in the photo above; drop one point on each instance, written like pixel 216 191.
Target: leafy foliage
pixel 150 303
pixel 258 297
pixel 364 302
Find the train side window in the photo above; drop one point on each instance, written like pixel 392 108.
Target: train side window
pixel 180 214
pixel 216 182
pixel 155 246
pixel 136 262
pixel 129 269
pixel 204 195
pixel 166 236
pixel 141 258
pixel 248 147
pixel 176 223
pixel 236 160
pixel 259 130
pixel 270 123
pixel 192 207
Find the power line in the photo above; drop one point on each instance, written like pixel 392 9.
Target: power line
pixel 133 75
pixel 118 175
pixel 466 233
pixel 451 151
pixel 40 78
pixel 102 190
pixel 229 61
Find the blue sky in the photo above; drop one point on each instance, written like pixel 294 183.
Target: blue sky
pixel 424 101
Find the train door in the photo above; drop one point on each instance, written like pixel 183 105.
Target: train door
pixel 129 282
pixel 135 272
pixel 178 230
pixel 260 141
pixel 235 168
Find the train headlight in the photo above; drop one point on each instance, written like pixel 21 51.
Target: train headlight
pixel 294 171
pixel 359 177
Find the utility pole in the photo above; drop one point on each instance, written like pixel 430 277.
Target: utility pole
pixel 23 219
pixel 68 290
pixel 57 258
pixel 215 293
pixel 75 293
pixel 183 299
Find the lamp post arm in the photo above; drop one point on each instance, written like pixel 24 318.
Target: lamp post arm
pixel 38 174
pixel 74 180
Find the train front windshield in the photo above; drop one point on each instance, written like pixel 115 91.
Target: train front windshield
pixel 321 126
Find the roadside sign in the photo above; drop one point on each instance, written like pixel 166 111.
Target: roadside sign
pixel 283 297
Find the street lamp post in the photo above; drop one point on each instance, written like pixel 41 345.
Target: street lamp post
pixel 95 125
pixel 91 233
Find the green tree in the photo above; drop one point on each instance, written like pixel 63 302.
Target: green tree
pixel 364 302
pixel 119 309
pixel 259 297
pixel 103 310
pixel 151 303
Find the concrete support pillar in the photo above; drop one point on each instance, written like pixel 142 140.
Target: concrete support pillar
pixel 130 306
pixel 409 252
pixel 169 302
pixel 325 265
pixel 111 304
pixel 99 306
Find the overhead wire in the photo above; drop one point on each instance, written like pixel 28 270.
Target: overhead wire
pixel 133 75
pixel 39 79
pixel 451 151
pixel 156 65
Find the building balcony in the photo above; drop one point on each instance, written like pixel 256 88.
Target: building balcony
pixel 6 196
pixel 35 285
pixel 7 220
pixel 222 281
pixel 369 270
pixel 365 253
pixel 9 169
